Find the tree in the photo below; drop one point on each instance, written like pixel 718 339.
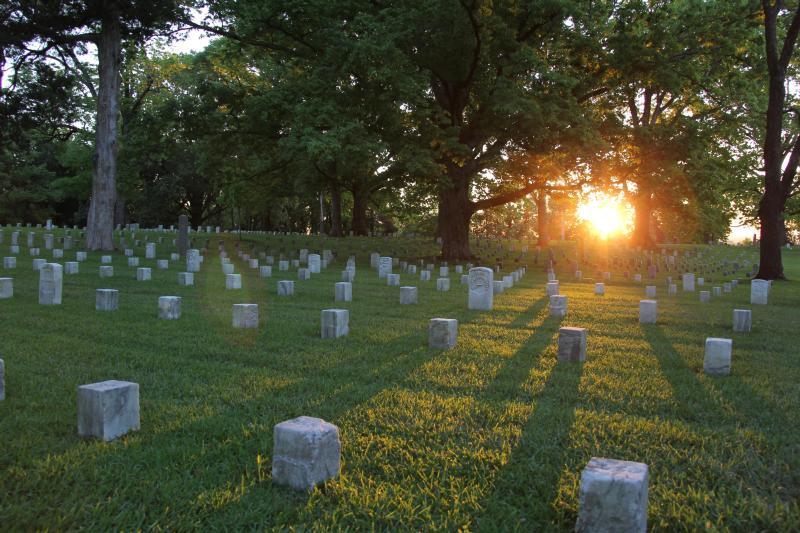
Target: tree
pixel 781 28
pixel 60 31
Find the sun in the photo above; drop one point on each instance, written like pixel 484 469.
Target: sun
pixel 607 215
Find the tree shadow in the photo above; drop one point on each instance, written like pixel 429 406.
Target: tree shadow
pixel 527 484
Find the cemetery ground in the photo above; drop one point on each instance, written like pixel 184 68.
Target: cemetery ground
pixel 491 435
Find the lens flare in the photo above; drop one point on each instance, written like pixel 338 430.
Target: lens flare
pixel 608 216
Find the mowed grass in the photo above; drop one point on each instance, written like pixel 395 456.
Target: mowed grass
pixel 491 435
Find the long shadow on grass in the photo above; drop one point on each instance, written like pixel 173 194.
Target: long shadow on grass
pixel 524 318
pixel 693 401
pixel 223 448
pixel 525 487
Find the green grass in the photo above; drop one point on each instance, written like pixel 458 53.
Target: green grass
pixel 491 435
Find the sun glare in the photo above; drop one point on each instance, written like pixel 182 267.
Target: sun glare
pixel 608 216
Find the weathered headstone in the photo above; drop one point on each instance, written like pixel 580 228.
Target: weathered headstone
pixel 108 409
pixel 169 307
pixel 314 262
pixel 306 452
pixel 742 320
pixel 384 267
pixel 650 291
pixel 144 274
pixel 442 333
pixel 613 497
pixel 335 323
pixel 705 296
pixel 245 315
pixel 285 288
pixel 571 344
pixel 233 281
pixel 648 311
pixel 106 300
pixel 558 305
pixel 193 260
pixel 599 289
pixel 265 271
pixel 343 291
pixel 717 360
pixel 481 291
pixel 408 295
pixel 759 291
pixel 51 279
pixel 71 267
pixel 688 282
pixel 185 279
pixel 6 288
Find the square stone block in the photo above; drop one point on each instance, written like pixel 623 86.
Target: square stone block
pixel 717 360
pixel 306 452
pixel 481 289
pixel 80 256
pixel 552 288
pixel 133 261
pixel 285 288
pixel 38 264
pixel 245 315
pixel 571 344
pixel 705 296
pixel 169 307
pixel 443 284
pixel 265 271
pixel 498 287
pixel 343 291
pixel 106 299
pixel 51 278
pixel 185 279
pixel 143 274
pixel 233 281
pixel 599 289
pixel 650 291
pixel 613 497
pixel 425 275
pixel 442 333
pixel 71 267
pixel 303 274
pixel 9 262
pixel 759 292
pixel 335 323
pixel 558 305
pixel 393 280
pixel 672 289
pixel 742 320
pixel 227 268
pixel 408 295
pixel 688 282
pixel 162 264
pixel 108 409
pixel 648 311
pixel 106 271
pixel 6 288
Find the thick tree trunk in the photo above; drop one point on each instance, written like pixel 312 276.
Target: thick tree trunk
pixel 541 219
pixel 119 211
pixel 455 213
pixel 336 210
pixel 643 208
pixel 100 223
pixel 360 202
pixel 770 263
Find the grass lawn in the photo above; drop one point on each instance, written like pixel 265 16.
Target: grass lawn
pixel 491 435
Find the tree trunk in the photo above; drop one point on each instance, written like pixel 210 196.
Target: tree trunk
pixel 336 210
pixel 455 213
pixel 643 208
pixel 770 263
pixel 119 211
pixel 360 202
pixel 100 223
pixel 541 219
